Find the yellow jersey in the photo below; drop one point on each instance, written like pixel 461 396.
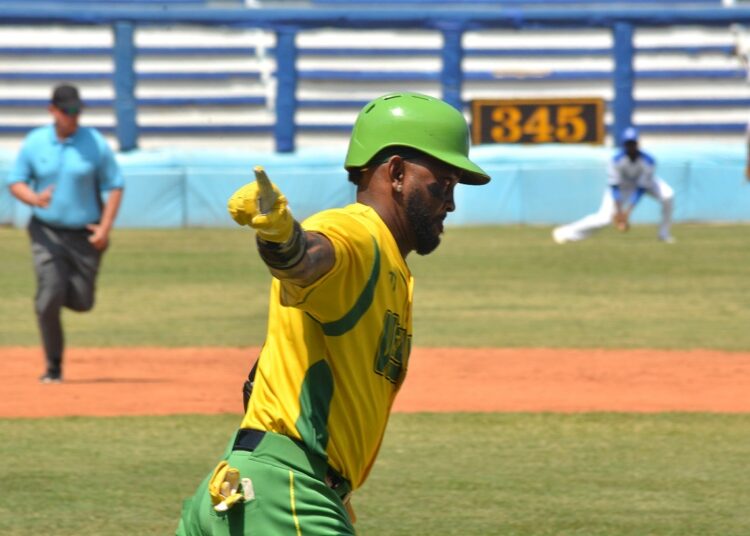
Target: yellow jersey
pixel 337 351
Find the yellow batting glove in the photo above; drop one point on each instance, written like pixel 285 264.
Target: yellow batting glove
pixel 224 487
pixel 263 207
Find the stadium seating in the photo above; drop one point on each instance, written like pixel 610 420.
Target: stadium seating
pixel 201 91
pixel 217 85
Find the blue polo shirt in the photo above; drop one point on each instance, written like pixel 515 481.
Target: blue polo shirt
pixel 80 167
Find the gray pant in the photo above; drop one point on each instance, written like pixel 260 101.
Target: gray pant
pixel 66 266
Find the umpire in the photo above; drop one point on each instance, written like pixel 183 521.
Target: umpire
pixel 62 171
pixel 340 325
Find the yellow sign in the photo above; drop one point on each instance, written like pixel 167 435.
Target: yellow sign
pixel 538 121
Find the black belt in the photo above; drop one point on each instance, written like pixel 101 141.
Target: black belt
pixel 248 439
pixel 58 228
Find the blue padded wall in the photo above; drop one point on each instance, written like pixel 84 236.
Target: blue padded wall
pixel 541 185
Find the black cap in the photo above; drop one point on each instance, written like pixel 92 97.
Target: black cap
pixel 66 96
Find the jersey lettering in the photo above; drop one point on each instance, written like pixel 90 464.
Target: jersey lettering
pixel 393 349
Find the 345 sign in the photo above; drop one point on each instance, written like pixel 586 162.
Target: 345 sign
pixel 575 120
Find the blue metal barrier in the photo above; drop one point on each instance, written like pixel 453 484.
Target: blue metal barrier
pixel 286 23
pixel 361 51
pixel 380 76
pixel 125 80
pixel 514 3
pixel 87 3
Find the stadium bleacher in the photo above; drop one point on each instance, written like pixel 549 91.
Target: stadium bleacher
pixel 223 88
pixel 193 81
pixel 208 92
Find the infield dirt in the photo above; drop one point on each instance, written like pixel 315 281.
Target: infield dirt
pixel 161 381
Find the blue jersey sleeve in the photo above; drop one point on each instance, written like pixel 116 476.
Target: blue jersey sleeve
pixel 22 170
pixel 109 175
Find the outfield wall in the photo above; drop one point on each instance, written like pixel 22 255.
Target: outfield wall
pixel 531 185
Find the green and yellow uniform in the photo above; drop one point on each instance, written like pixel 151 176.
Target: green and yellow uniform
pixel 335 356
pixel 337 350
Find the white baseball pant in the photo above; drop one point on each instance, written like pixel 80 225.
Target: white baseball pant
pixel 588 225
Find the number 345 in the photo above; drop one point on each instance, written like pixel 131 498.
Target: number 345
pixel 545 124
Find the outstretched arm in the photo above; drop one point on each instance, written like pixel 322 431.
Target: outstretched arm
pixel 291 254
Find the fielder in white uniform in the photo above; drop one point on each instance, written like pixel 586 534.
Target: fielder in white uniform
pixel 630 175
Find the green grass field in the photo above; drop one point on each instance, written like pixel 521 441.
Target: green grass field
pixel 454 474
pixel 489 286
pixel 438 474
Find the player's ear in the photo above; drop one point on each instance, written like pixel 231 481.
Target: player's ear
pixel 396 172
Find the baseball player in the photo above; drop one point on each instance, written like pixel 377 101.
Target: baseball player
pixel 630 175
pixel 339 328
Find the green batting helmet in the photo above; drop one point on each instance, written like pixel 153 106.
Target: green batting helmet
pixel 417 121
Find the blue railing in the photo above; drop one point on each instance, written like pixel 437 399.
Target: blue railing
pixel 287 23
pixel 517 3
pixel 130 3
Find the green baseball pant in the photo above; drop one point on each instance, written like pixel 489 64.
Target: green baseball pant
pixel 289 496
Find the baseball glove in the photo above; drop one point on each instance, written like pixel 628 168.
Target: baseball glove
pixel 621 222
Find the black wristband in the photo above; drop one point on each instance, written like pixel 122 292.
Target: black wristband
pixel 286 255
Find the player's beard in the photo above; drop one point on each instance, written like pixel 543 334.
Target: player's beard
pixel 423 225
